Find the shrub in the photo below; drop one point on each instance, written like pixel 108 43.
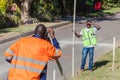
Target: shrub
pixel 45 10
pixel 9 18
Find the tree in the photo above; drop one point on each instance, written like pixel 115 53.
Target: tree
pixel 25 7
pixel 62 4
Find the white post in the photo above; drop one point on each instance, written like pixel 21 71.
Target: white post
pixel 113 63
pixel 54 72
pixel 73 38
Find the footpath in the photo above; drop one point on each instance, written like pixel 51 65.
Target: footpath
pixel 9 36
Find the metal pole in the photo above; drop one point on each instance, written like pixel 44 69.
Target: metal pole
pixel 73 38
pixel 54 72
pixel 113 64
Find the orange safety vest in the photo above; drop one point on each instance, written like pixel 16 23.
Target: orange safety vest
pixel 29 57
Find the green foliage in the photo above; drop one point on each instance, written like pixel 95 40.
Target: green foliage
pixel 69 4
pixel 49 10
pixel 8 18
pixel 2 20
pixel 110 4
pixel 45 10
pixel 14 15
pixel 89 2
pixel 3 6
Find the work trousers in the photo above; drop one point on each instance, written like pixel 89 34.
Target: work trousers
pixel 85 52
pixel 43 75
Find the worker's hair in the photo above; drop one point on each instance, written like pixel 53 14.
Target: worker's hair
pixel 41 30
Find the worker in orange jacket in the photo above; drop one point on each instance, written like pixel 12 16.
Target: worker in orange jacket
pixel 29 55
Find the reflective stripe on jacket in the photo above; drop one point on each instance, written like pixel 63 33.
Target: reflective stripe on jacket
pixel 29 57
pixel 89 37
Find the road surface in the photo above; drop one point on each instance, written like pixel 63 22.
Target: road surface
pixel 110 28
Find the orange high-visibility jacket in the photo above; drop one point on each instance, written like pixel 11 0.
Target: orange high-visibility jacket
pixel 28 56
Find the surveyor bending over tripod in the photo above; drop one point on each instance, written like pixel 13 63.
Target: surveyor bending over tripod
pixel 29 55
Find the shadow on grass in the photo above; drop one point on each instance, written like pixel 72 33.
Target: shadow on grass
pixel 100 64
pixel 5 31
pixel 99 14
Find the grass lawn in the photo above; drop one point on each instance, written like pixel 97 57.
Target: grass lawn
pixel 105 12
pixel 112 10
pixel 23 28
pixel 103 69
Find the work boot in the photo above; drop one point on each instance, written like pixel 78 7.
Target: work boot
pixel 81 70
pixel 91 70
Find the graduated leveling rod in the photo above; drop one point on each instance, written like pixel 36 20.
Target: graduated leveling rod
pixel 73 45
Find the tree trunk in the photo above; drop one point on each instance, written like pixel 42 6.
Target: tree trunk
pixel 25 10
pixel 62 7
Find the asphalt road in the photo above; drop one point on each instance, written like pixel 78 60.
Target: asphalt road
pixel 110 28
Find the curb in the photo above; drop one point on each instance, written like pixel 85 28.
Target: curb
pixel 31 32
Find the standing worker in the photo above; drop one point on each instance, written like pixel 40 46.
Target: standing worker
pixel 29 55
pixel 89 41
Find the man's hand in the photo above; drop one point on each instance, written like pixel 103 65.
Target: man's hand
pixel 76 34
pixel 95 25
pixel 74 30
pixel 51 32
